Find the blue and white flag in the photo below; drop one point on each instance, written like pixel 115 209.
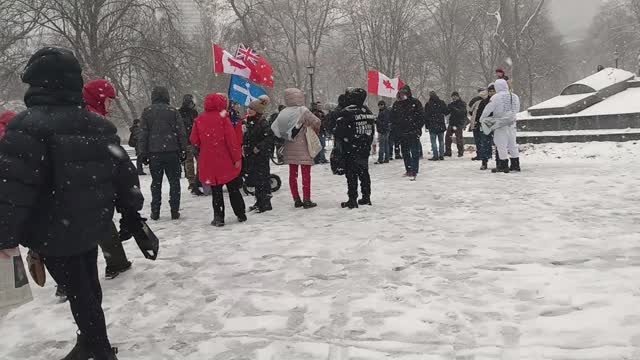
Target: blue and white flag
pixel 243 91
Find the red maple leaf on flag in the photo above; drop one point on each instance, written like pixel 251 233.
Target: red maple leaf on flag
pixel 388 85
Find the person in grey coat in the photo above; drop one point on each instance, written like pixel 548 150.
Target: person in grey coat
pixel 163 145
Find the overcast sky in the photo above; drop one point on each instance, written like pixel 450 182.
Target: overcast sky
pixel 573 17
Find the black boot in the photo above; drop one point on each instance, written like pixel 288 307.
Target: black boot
pixel 515 165
pixel 195 190
pixel 155 215
pixel 111 355
pixel 241 218
pixel 503 167
pixel 485 165
pixel 80 351
pixel 298 203
pixel 366 200
pixel 351 204
pixel 218 221
pixel 175 214
pixel 111 273
pixel 308 204
pixel 435 158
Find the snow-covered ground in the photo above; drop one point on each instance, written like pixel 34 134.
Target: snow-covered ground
pixel 461 264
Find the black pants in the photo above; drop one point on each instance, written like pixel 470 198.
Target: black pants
pixel 237 202
pixel 457 131
pixel 263 192
pixel 113 252
pixel 358 169
pixel 169 164
pixel 396 143
pixel 139 166
pixel 78 276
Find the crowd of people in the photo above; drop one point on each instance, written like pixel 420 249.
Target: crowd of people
pixel 65 172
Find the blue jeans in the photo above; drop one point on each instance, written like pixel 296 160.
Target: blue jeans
pixel 384 151
pixel 437 139
pixel 411 154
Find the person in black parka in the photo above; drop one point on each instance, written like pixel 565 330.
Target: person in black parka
pixel 355 127
pixel 257 145
pixel 407 120
pixel 64 173
pixel 457 122
pixel 435 111
pixel 163 145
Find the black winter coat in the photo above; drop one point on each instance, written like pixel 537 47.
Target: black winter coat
pixel 483 104
pixel 258 135
pixel 161 126
pixel 63 172
pixel 407 118
pixel 383 122
pixel 134 135
pixel 188 115
pixel 458 114
pixel 355 127
pixel 435 111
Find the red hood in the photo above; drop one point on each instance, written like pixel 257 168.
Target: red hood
pixel 215 102
pixel 95 92
pixel 5 117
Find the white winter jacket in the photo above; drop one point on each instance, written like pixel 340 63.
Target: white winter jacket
pixel 504 106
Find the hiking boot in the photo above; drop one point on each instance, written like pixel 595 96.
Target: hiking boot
pixel 485 165
pixel 365 201
pixel 175 215
pixel 111 274
pixel 308 204
pixel 219 222
pixel 515 165
pixel 80 351
pixel 351 204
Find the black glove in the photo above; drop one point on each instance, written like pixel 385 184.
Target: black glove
pixel 144 158
pixel 129 225
pixel 183 156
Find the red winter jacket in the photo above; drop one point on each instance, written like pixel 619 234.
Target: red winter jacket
pixel 5 117
pixel 217 140
pixel 94 94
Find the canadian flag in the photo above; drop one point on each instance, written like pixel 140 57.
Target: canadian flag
pixel 380 84
pixel 224 62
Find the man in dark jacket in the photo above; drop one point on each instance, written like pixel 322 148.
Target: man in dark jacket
pixel 257 144
pixel 457 121
pixel 485 142
pixel 435 111
pixel 188 112
pixel 163 144
pixel 134 135
pixel 383 127
pixel 407 120
pixel 473 110
pixel 355 127
pixel 64 172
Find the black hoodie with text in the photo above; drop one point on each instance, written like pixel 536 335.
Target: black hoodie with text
pixel 355 125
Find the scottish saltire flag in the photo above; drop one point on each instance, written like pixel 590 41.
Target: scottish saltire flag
pixel 243 91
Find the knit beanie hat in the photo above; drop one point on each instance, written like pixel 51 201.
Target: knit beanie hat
pixel 260 104
pixel 54 68
pixel 455 94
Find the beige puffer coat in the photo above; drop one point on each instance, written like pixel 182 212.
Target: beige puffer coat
pixel 296 152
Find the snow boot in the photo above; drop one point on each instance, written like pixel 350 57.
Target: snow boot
pixel 515 165
pixel 219 221
pixel 503 167
pixel 80 351
pixel 308 204
pixel 111 274
pixel 366 200
pixel 351 204
pixel 485 165
pixel 241 219
pixel 155 216
pixel 298 203
pixel 175 215
pixel 196 191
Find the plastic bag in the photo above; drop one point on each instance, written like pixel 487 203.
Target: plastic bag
pixel 14 281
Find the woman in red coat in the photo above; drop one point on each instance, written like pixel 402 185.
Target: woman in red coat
pixel 5 117
pixel 220 156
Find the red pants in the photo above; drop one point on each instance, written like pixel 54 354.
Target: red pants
pixel 306 181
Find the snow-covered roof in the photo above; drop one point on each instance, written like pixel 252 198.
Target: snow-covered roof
pixel 599 81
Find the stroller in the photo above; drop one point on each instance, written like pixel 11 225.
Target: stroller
pixel 275 181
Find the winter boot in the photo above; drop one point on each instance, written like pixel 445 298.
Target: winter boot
pixel 175 214
pixel 80 351
pixel 485 165
pixel 515 165
pixel 351 204
pixel 435 158
pixel 366 200
pixel 298 203
pixel 441 158
pixel 195 190
pixel 155 215
pixel 111 274
pixel 308 204
pixel 503 167
pixel 218 221
pixel 242 218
